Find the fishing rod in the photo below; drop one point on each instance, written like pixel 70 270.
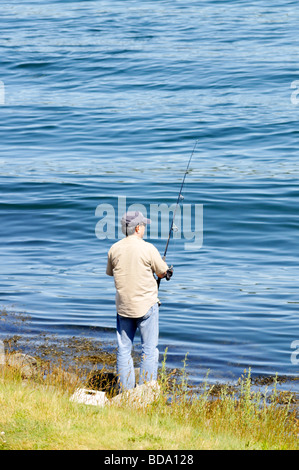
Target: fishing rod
pixel 180 197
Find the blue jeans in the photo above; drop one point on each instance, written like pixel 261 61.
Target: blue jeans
pixel 148 326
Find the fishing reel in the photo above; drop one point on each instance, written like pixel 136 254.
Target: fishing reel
pixel 169 273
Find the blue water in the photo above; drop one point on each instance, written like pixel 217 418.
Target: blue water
pixel 106 99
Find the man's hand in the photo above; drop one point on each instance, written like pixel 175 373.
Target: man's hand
pixel 169 273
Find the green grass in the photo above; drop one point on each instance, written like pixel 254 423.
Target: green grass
pixel 35 415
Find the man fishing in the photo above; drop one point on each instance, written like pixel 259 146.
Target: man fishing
pixel 132 262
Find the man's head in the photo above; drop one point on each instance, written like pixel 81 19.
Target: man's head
pixel 134 222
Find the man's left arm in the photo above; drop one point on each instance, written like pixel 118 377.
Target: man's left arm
pixel 109 268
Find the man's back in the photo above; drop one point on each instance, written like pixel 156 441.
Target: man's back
pixel 132 261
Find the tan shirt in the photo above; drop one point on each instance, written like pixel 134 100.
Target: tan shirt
pixel 132 261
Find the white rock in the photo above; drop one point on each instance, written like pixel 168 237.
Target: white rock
pixel 89 397
pixel 141 395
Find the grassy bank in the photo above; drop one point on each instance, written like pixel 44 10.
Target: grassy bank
pixel 38 414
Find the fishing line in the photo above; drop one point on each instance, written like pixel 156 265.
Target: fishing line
pixel 180 198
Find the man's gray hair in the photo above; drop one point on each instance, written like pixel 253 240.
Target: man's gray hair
pixel 128 230
pixel 130 220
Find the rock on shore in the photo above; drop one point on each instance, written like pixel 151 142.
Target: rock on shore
pixel 141 395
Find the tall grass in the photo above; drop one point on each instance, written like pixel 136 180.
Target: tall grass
pixel 250 417
pixel 39 415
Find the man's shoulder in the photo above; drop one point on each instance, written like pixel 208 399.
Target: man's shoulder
pixel 116 245
pixel 136 242
pixel 149 247
pixel 148 244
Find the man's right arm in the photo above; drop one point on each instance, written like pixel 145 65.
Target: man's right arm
pixel 167 274
pixel 158 264
pixel 161 275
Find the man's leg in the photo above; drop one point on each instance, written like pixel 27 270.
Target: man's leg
pixel 149 331
pixel 126 329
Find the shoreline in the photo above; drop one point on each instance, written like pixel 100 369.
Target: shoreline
pixel 86 354
pixel 44 408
